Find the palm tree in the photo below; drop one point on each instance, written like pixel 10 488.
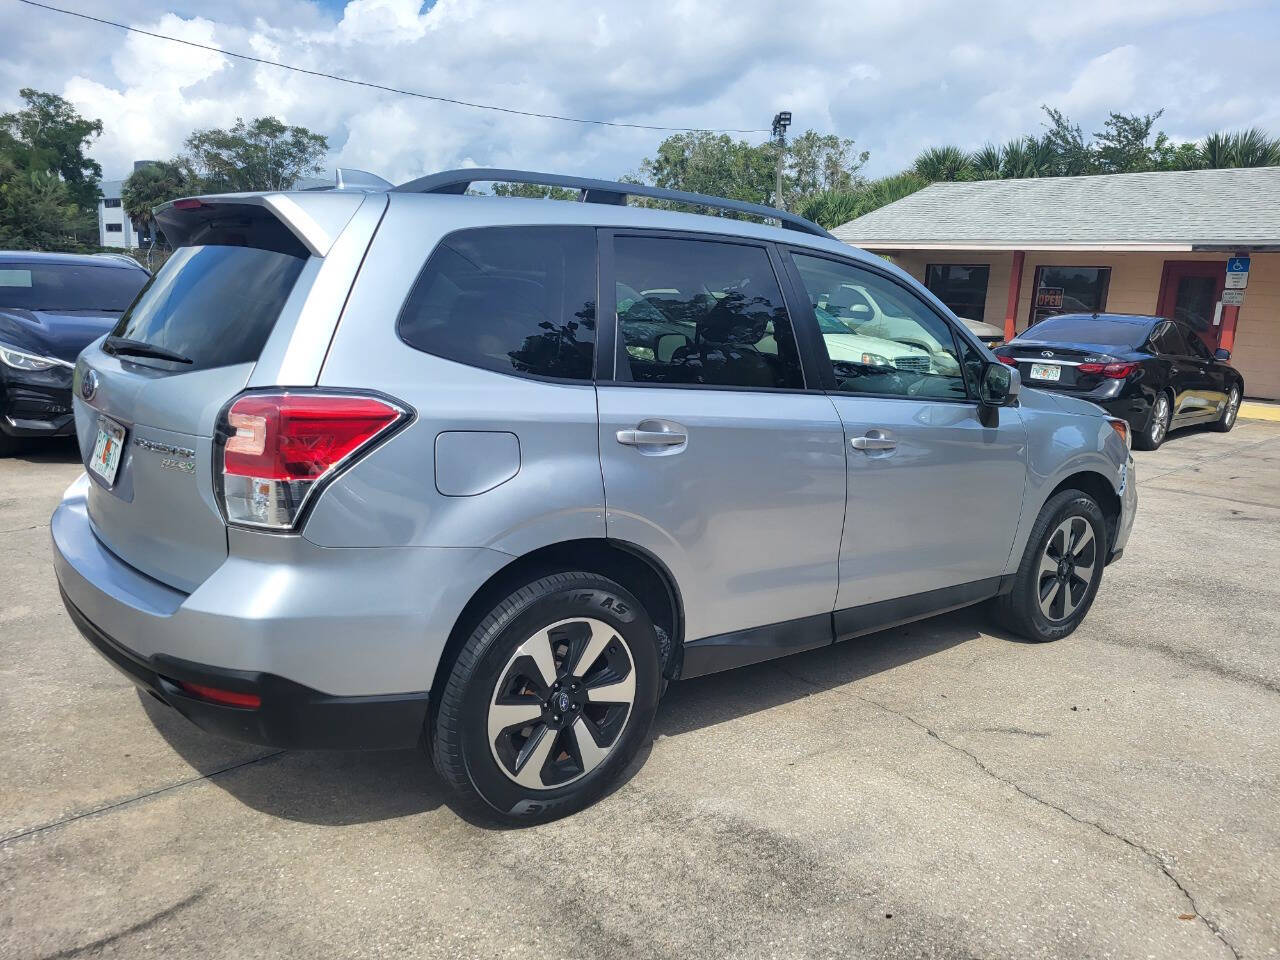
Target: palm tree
pixel 1244 148
pixel 987 162
pixel 1021 158
pixel 835 207
pixel 943 163
pixel 148 187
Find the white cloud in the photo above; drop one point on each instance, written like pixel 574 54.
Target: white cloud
pixel 895 77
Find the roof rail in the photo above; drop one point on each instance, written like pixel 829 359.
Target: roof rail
pixel 601 191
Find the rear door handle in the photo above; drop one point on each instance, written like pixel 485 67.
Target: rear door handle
pixel 650 438
pixel 874 440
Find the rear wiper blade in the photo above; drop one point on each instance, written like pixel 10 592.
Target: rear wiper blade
pixel 136 348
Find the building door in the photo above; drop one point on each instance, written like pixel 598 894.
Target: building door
pixel 1190 292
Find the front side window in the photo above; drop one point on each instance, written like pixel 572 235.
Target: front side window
pixel 511 299
pixel 1069 290
pixel 962 288
pixel 880 338
pixel 1169 342
pixel 702 313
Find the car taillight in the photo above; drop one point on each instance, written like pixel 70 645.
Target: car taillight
pixel 1117 371
pixel 279 447
pixel 1011 361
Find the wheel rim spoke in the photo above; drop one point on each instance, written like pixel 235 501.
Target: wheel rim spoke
pixel 538 649
pixel 534 757
pixel 504 716
pixel 1048 566
pixel 1086 538
pixel 590 753
pixel 623 691
pixel 1048 597
pixel 591 652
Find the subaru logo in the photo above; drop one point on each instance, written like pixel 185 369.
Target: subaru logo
pixel 562 702
pixel 1046 353
pixel 88 385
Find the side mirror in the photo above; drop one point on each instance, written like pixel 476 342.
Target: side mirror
pixel 1000 385
pixel 1222 353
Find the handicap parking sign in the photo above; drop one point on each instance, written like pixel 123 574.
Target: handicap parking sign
pixel 1237 265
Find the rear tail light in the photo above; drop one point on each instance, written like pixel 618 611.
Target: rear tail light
pixel 227 698
pixel 278 449
pixel 1117 371
pixel 1011 361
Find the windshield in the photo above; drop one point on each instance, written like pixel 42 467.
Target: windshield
pixel 68 287
pixel 1100 330
pixel 213 304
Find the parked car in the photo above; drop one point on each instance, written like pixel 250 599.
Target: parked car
pixel 51 306
pixel 988 333
pixel 1155 374
pixel 375 467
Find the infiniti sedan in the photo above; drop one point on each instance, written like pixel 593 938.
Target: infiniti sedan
pixel 1155 373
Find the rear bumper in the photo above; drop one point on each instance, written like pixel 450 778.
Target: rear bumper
pixel 341 644
pixel 292 716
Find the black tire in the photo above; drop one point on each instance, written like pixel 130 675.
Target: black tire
pixel 459 739
pixel 1020 610
pixel 1157 428
pixel 1228 419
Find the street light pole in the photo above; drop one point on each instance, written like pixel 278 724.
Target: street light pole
pixel 781 120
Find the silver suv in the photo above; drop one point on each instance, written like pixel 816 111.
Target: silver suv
pixel 369 467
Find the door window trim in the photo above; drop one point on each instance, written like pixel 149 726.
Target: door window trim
pixel 827 370
pixel 612 374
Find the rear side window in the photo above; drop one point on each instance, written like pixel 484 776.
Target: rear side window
pixel 512 299
pixel 68 287
pixel 697 312
pixel 1168 341
pixel 214 304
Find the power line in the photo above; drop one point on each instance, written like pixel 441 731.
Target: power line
pixel 379 86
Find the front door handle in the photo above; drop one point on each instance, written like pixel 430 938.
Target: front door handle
pixel 874 440
pixel 651 438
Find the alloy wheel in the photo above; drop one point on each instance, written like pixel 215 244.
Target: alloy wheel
pixel 1066 568
pixel 1233 406
pixel 1160 419
pixel 561 703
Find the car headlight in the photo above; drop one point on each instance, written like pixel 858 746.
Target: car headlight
pixel 21 360
pixel 875 360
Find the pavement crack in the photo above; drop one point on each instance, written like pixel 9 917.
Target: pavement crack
pixel 135 799
pixel 34 526
pixel 1195 661
pixel 151 921
pixel 977 761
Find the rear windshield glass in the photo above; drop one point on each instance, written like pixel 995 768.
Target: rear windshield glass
pixel 68 287
pixel 214 304
pixel 1111 333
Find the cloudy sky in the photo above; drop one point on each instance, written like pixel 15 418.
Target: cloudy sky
pixel 895 75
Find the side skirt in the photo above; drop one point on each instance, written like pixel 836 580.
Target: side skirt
pixel 756 644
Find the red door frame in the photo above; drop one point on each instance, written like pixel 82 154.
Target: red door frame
pixel 1175 270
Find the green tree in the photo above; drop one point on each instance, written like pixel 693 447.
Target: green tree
pixel 1070 154
pixel 816 163
pixel 1023 157
pixel 987 162
pixel 832 208
pixel 1122 144
pixel 533 191
pixel 263 154
pixel 1244 148
pixel 48 134
pixel 148 187
pixel 943 163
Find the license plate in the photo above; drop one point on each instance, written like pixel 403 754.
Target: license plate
pixel 107 450
pixel 1046 371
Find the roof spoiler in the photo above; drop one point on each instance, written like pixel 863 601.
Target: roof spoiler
pixel 313 219
pixel 602 191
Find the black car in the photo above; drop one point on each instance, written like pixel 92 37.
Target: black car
pixel 52 306
pixel 1157 374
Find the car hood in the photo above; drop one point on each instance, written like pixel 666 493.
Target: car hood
pixel 54 334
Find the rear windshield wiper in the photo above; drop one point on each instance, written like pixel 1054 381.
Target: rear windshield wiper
pixel 136 348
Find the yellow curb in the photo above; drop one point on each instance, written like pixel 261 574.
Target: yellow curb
pixel 1260 411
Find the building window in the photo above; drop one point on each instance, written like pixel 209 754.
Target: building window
pixel 1069 290
pixel 111 202
pixel 114 228
pixel 962 287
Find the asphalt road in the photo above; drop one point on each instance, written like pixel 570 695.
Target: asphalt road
pixel 937 790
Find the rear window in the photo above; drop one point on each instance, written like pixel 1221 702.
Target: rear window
pixel 512 299
pixel 68 287
pixel 214 304
pixel 1112 333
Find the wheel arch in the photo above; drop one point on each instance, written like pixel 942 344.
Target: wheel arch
pixel 630 565
pixel 1098 486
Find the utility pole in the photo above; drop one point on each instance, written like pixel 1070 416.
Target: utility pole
pixel 781 120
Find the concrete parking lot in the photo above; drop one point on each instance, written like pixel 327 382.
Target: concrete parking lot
pixel 937 790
